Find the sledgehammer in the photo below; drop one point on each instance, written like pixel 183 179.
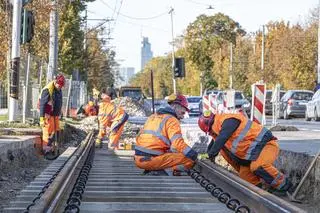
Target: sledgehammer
pixel 294 194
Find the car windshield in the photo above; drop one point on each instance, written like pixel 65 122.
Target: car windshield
pixel 269 95
pixel 302 96
pixel 238 96
pixel 194 100
pixel 134 94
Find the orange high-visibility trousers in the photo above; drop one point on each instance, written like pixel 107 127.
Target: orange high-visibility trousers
pixel 261 168
pixel 51 126
pixel 114 136
pixel 169 162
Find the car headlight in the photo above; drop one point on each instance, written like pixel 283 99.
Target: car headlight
pixel 246 105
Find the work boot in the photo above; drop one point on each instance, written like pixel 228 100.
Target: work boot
pixel 98 143
pixel 282 192
pixel 155 172
pixel 179 173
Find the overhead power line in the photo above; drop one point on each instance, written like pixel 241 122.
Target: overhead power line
pixel 136 18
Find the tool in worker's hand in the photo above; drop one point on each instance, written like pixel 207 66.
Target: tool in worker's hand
pixel 296 191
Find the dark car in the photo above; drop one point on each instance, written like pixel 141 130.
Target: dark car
pixel 293 103
pixel 268 107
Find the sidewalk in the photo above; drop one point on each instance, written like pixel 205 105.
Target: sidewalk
pixel 299 141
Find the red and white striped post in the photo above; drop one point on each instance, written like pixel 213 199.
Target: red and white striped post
pixel 213 103
pixel 205 103
pixel 258 102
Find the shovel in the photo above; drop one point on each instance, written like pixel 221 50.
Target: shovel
pixel 292 197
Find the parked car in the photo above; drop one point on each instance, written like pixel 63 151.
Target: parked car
pixel 207 92
pixel 268 107
pixel 241 101
pixel 313 107
pixel 194 102
pixel 293 103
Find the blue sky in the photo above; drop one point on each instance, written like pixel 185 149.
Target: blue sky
pixel 136 18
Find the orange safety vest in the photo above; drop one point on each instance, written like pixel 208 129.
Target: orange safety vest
pixel 246 142
pixel 109 113
pixel 90 110
pixel 161 134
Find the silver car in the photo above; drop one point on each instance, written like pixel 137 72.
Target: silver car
pixel 194 102
pixel 294 102
pixel 313 107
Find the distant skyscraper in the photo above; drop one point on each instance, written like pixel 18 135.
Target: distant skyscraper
pixel 126 74
pixel 146 53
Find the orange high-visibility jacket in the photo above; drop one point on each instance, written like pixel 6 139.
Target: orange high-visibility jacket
pixel 90 110
pixel 161 134
pixel 246 142
pixel 110 114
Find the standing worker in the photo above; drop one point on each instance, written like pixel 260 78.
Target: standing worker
pixel 113 117
pixel 50 104
pixel 247 146
pixel 160 148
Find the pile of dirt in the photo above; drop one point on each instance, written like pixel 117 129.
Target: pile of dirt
pixel 17 173
pixel 132 107
pixel 283 128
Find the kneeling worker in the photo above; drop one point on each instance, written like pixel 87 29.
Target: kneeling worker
pixel 113 117
pixel 247 146
pixel 90 109
pixel 160 148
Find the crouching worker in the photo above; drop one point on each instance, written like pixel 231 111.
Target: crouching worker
pixel 160 148
pixel 111 121
pixel 50 104
pixel 247 146
pixel 88 110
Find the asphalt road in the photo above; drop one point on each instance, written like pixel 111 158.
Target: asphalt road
pixel 306 140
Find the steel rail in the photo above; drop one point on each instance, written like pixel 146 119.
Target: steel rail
pixel 257 199
pixel 50 199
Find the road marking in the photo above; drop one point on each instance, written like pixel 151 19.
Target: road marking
pixel 313 130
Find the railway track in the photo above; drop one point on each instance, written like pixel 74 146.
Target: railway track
pixel 85 179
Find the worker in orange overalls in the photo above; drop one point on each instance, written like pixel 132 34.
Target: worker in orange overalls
pixel 90 109
pixel 247 146
pixel 111 121
pixel 50 104
pixel 160 148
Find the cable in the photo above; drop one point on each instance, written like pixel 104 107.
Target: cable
pixel 136 18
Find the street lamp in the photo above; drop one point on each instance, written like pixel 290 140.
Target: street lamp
pixel 173 65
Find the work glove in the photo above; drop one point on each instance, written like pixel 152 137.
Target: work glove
pixel 41 122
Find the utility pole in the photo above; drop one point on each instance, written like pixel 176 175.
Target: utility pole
pixel 318 70
pixel 231 66
pixel 15 60
pixel 173 65
pixel 53 42
pixel 86 44
pixel 262 49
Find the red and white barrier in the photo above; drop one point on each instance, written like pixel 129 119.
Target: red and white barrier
pixel 213 103
pixel 205 102
pixel 258 102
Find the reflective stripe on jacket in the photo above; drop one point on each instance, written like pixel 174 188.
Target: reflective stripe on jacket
pixel 246 142
pixel 161 134
pixel 109 113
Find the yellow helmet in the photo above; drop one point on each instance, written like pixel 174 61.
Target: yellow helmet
pixel 91 103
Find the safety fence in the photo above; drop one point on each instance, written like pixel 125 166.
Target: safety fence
pixel 32 78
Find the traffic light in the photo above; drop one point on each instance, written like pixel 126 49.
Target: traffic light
pixel 27 26
pixel 179 70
